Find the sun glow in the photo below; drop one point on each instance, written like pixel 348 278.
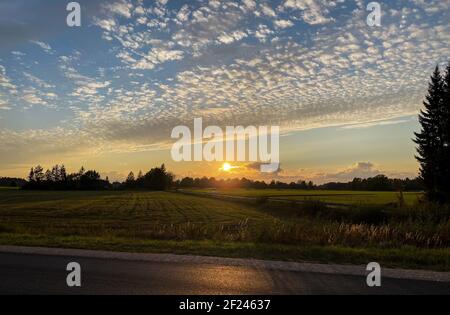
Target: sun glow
pixel 226 167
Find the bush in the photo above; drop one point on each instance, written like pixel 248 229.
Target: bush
pixel 4 229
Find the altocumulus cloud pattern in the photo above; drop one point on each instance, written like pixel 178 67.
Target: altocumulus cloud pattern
pixel 136 69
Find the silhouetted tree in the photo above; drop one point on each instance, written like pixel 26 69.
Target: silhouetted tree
pixel 31 178
pixel 57 179
pixel 187 182
pixel 48 176
pixel 430 140
pixel 446 129
pixel 63 173
pixel 39 174
pixel 130 182
pixel 157 179
pixel 130 178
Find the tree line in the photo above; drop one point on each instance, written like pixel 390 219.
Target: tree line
pixel 212 182
pixel 433 140
pixel 377 183
pixel 12 182
pixel 156 179
pixel 57 178
pixel 160 179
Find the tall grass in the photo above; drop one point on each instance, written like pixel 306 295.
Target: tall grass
pixel 425 225
pixel 299 232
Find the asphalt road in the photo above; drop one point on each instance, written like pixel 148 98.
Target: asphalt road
pixel 37 274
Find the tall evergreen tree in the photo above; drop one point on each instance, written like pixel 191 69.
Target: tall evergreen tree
pixel 130 181
pixel 63 173
pixel 130 178
pixel 430 138
pixel 446 129
pixel 31 175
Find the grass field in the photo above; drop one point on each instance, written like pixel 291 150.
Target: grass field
pixel 327 196
pixel 177 223
pixel 100 213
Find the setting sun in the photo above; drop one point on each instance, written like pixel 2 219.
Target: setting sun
pixel 226 167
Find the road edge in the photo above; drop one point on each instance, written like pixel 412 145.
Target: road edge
pixel 332 269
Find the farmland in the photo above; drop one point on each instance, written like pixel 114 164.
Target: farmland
pixel 185 224
pixel 118 213
pixel 326 196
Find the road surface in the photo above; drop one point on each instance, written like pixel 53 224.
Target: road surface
pixel 41 274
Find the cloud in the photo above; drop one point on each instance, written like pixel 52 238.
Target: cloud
pixel 283 23
pixel 18 53
pixel 106 24
pixel 313 11
pixel 263 32
pixel 30 94
pixel 249 4
pixel 5 82
pixel 267 10
pixel 163 2
pixel 157 56
pixel 90 88
pixel 38 81
pixel 231 61
pixel 46 47
pixel 359 170
pixel 232 37
pixel 183 13
pixel 376 123
pixel 32 97
pixel 3 104
pixel 56 141
pixel 257 167
pixel 121 8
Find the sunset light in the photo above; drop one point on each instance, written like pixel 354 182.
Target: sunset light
pixel 226 167
pixel 219 154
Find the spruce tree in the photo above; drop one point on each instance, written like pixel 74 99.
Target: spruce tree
pixel 31 175
pixel 446 130
pixel 429 140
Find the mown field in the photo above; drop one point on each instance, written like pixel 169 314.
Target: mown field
pixel 327 196
pixel 410 237
pixel 117 213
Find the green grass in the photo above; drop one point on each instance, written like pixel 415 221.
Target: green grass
pixel 405 257
pixel 328 196
pixel 183 224
pixel 130 210
pixel 145 215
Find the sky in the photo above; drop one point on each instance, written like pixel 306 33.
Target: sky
pixel 107 95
